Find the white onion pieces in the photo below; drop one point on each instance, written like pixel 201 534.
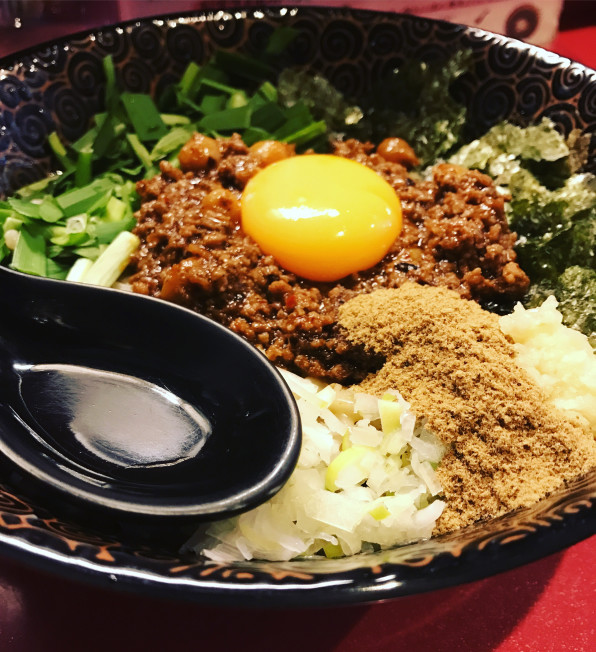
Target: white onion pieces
pixel 365 476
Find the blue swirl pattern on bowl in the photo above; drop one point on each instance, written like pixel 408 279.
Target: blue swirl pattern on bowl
pixel 59 86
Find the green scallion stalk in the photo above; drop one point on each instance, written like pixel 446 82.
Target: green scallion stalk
pixel 105 231
pixel 12 223
pixel 243 66
pixel 29 255
pixel 106 270
pixel 84 167
pixel 140 151
pixel 79 269
pixel 237 100
pixel 227 120
pixel 80 200
pixel 189 79
pixel 172 141
pixel 268 91
pixel 111 92
pixel 59 150
pixel 49 211
pixel 144 116
pixel 115 209
pixel 308 133
pixel 215 85
pixel 24 208
pixel 174 120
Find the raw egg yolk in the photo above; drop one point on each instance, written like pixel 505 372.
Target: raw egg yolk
pixel 321 216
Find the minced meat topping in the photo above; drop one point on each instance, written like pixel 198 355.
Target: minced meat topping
pixel 194 252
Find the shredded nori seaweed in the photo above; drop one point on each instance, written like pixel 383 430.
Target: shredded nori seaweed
pixel 575 289
pixel 552 209
pixel 414 102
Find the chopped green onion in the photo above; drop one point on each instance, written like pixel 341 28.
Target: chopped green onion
pixel 37 186
pixel 280 40
pixel 173 140
pixel 213 72
pixel 83 169
pixel 49 211
pixel 213 84
pixel 113 261
pixel 188 84
pixel 105 136
pixel 80 267
pixel 254 134
pixel 79 200
pixel 59 150
pixel 115 209
pixel 55 269
pixel 227 120
pixel 111 92
pixel 174 120
pixel 128 193
pixel 77 223
pixel 308 133
pixel 243 66
pixel 12 223
pixel 298 117
pixel 146 119
pixel 86 141
pixel 212 103
pixel 54 251
pixel 30 254
pixel 105 232
pixel 140 151
pixel 268 116
pixel 4 249
pixel 62 236
pixel 237 100
pixel 24 207
pixel 100 203
pixel 10 238
pixel 268 91
pixel 90 251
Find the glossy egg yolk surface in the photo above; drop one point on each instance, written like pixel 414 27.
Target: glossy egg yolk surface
pixel 321 216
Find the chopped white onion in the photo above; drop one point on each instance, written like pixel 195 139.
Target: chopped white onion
pixel 341 501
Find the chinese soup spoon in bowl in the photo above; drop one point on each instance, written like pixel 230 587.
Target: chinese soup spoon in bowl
pixel 134 407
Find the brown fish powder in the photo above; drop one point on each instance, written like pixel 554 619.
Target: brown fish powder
pixel 507 446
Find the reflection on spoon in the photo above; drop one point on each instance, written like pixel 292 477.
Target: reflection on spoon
pixel 126 407
pixel 160 428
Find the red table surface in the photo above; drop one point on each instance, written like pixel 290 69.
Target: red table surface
pixel 548 605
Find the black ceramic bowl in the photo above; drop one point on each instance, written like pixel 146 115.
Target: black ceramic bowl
pixel 59 85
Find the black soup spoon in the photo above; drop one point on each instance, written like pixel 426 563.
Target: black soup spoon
pixel 132 406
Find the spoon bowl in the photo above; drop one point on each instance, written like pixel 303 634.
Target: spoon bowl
pixel 134 407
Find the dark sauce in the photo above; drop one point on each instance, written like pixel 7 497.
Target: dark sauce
pixel 193 252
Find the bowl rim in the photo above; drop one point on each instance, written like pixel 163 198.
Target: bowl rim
pixel 252 8
pixel 360 585
pixel 363 584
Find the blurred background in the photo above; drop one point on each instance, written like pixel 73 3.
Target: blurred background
pixel 27 22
